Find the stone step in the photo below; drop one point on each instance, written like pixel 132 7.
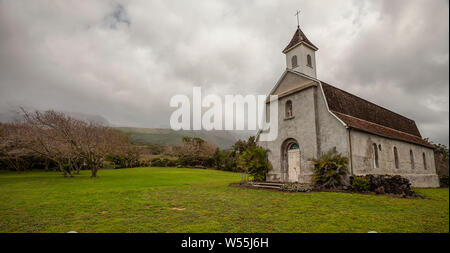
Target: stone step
pixel 266 186
pixel 269 183
pixel 273 182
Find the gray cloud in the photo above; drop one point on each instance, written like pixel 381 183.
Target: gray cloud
pixel 125 59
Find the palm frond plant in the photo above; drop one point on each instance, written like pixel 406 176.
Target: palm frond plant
pixel 330 170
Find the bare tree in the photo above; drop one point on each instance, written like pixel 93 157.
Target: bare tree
pixel 68 142
pixel 195 151
pixel 12 149
pixel 43 134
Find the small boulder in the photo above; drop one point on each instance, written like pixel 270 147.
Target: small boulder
pixel 380 190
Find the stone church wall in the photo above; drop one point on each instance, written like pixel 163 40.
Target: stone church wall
pixel 363 159
pixel 332 132
pixel 301 52
pixel 301 128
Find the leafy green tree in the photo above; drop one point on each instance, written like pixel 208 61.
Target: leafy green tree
pixel 254 161
pixel 219 158
pixel 240 146
pixel 440 148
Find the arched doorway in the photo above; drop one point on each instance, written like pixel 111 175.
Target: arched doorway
pixel 290 162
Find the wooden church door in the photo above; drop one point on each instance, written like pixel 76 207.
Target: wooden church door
pixel 293 162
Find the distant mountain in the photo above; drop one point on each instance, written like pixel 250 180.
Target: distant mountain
pixel 10 116
pixel 89 118
pixel 163 137
pixel 151 136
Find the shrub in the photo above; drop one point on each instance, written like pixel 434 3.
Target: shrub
pixel 159 162
pixel 172 163
pixel 254 161
pixel 330 170
pixel 25 162
pixel 144 163
pixel 195 151
pixel 443 180
pixel 209 162
pixel 296 187
pixel 192 161
pixel 127 160
pixel 360 184
pixel 231 162
pixel 219 159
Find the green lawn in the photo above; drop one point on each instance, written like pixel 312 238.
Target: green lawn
pixel 195 200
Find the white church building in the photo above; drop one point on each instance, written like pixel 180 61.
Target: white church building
pixel 314 117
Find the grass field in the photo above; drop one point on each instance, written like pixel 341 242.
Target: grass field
pixel 193 200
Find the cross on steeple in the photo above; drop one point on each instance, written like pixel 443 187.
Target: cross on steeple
pixel 297 14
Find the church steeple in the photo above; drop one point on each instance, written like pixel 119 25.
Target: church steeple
pixel 299 37
pixel 301 54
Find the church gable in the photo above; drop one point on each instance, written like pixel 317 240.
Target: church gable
pixel 291 82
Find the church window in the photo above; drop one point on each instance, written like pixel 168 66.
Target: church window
pixel 288 109
pixel 375 156
pixel 424 161
pixel 396 157
pixel 309 61
pixel 294 61
pixel 293 146
pixel 411 156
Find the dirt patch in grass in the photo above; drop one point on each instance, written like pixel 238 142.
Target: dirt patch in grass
pixel 253 187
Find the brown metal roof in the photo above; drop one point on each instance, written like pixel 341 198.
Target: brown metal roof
pixel 364 115
pixel 299 36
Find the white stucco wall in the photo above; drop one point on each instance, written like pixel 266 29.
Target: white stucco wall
pixel 363 159
pixel 291 81
pixel 332 132
pixel 301 128
pixel 302 51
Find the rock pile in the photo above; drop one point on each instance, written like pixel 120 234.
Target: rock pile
pixel 390 184
pixel 296 187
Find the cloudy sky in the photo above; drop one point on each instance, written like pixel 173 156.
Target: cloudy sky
pixel 124 60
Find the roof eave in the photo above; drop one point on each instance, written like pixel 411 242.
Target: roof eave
pixel 301 42
pixel 390 137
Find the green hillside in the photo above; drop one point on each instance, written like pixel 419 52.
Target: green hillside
pixel 158 136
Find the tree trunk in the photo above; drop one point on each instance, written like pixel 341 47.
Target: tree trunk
pixel 71 168
pixel 94 172
pixel 46 165
pixel 77 166
pixel 17 165
pixel 66 173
